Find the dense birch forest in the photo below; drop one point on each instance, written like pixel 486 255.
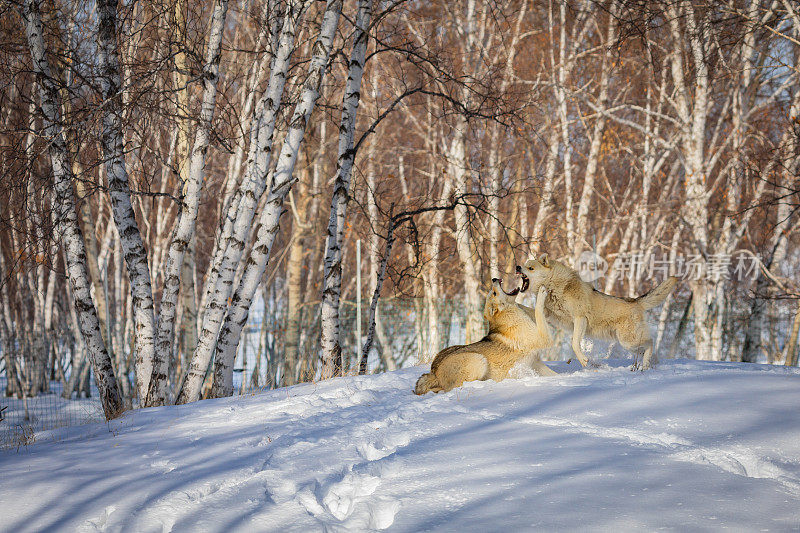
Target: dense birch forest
pixel 167 167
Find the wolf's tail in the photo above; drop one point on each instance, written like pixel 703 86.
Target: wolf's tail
pixel 656 297
pixel 427 383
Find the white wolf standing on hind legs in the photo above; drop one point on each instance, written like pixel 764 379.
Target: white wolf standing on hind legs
pixel 576 306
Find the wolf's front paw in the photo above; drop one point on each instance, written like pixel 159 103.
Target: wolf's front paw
pixel 542 292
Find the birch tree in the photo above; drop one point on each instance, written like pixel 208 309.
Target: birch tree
pixel 786 151
pixel 65 217
pixel 239 219
pixel 460 172
pixel 268 221
pixel 655 128
pixel 593 158
pixel 117 175
pixel 332 282
pixel 184 228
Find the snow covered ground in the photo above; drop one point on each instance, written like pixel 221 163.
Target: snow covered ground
pixel 688 446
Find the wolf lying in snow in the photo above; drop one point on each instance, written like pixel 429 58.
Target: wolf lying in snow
pixel 513 337
pixel 575 305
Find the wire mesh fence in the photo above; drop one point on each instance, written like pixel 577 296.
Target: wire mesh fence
pixel 28 408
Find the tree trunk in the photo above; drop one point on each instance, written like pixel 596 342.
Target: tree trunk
pixel 676 341
pixel 184 230
pixel 374 249
pixel 373 306
pixel 753 342
pixel 598 131
pixel 294 276
pixel 122 209
pixel 269 220
pixel 495 182
pixel 7 331
pixel 546 195
pixel 189 307
pixel 461 176
pixel 87 228
pixel 239 219
pixel 790 357
pixel 664 315
pixel 332 278
pixel 65 218
pixel 433 286
pixel 560 87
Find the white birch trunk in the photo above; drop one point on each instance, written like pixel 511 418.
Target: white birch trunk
pixel 273 15
pixel 374 243
pixel 495 168
pixel 232 190
pixel 387 357
pixel 692 107
pixel 461 175
pixel 373 306
pixel 433 285
pixel 119 190
pixel 546 196
pixel 495 182
pixel 14 385
pixel 78 355
pixel 239 220
pixel 753 344
pixel 65 218
pixel 268 222
pixel 332 281
pixel 561 102
pixel 664 314
pixel 790 350
pixel 184 230
pixel 270 216
pixel 294 272
pixel 593 158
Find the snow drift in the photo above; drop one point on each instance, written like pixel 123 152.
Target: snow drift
pixel 687 446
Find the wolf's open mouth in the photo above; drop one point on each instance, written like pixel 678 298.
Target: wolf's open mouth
pixel 525 282
pixel 514 292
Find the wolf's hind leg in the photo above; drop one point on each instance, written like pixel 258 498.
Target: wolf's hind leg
pixel 461 367
pixel 640 344
pixel 649 359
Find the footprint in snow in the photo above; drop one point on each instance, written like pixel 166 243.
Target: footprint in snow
pixel 347 503
pixel 373 451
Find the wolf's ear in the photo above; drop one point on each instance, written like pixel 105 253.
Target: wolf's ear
pixel 544 259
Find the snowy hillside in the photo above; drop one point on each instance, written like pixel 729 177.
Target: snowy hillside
pixel 689 446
